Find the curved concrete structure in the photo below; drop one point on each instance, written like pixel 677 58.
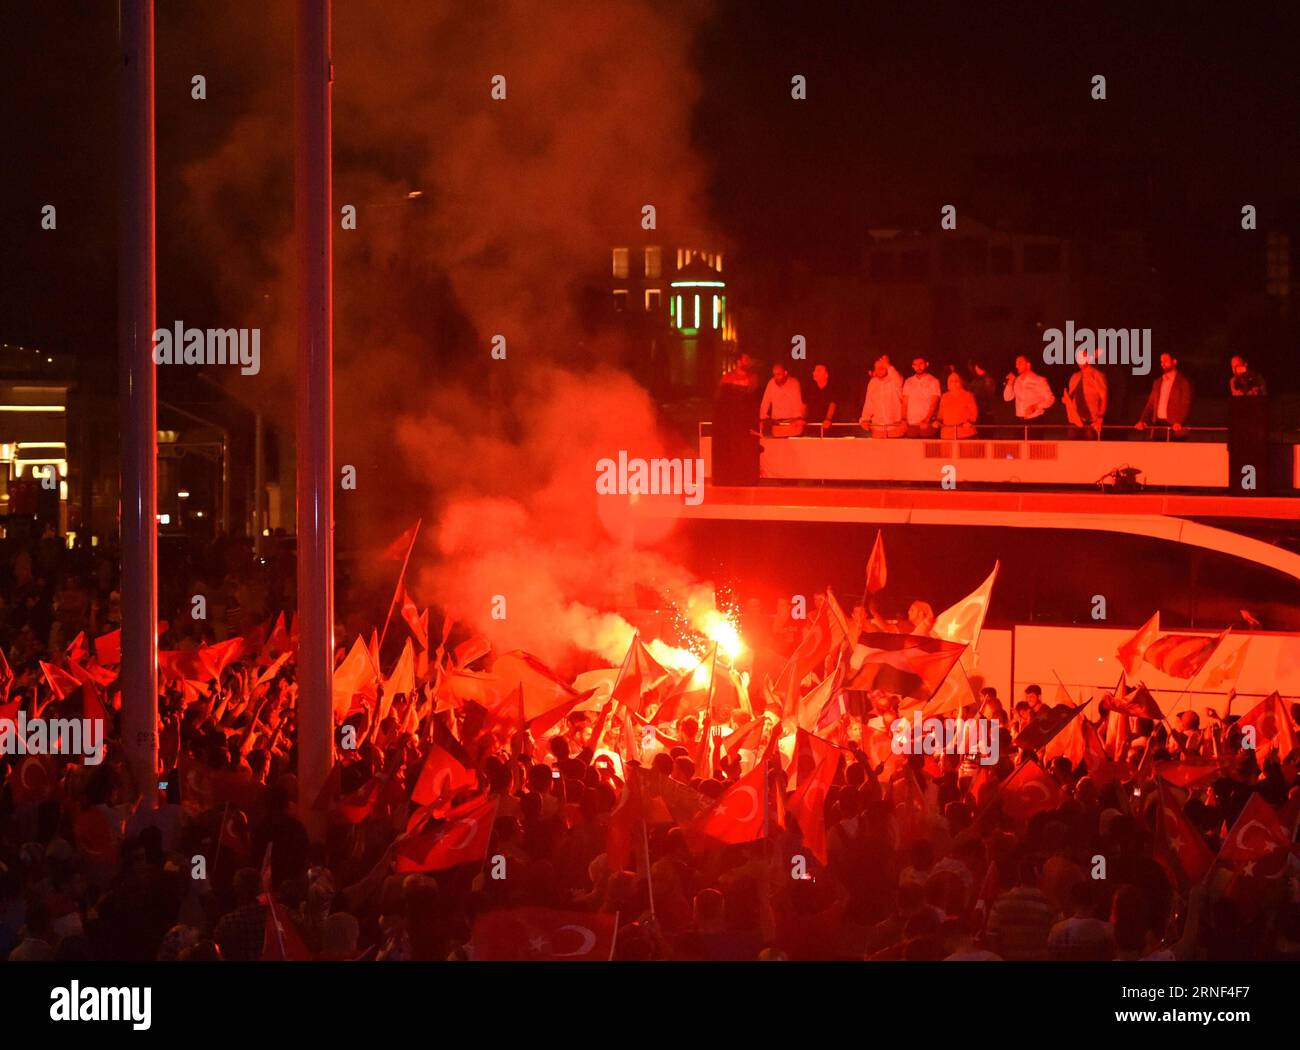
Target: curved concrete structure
pixel 1137 515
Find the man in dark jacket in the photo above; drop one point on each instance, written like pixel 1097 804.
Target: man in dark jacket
pixel 1170 402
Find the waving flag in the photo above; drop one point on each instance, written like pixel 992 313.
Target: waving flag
pixel 61 683
pixel 810 706
pixel 440 776
pixel 1191 772
pixel 1271 724
pixel 462 839
pixel 1228 670
pixel 1179 844
pixel 808 802
pixel 542 934
pixel 810 655
pixel 1257 845
pixel 877 572
pixel 739 815
pixel 1182 655
pixel 355 676
pixel 1136 704
pixel 639 673
pixel 843 632
pixel 179 665
pixel 910 665
pixel 1101 767
pixel 963 622
pixel 1029 790
pixel 1045 725
pixel 1131 652
pixel 402 680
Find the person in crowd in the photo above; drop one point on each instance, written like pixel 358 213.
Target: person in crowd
pixel 1245 382
pixel 958 410
pixel 926 856
pixel 782 401
pixel 1170 402
pixel 920 399
pixel 1028 390
pixel 882 410
pixel 820 400
pixel 1085 397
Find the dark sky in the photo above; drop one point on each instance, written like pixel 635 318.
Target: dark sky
pixel 909 107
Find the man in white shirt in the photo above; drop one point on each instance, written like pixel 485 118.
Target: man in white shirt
pixel 782 400
pixel 920 399
pixel 882 411
pixel 1028 390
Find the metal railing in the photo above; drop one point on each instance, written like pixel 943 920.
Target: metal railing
pixel 1001 432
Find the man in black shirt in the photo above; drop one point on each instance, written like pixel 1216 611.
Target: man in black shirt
pixel 819 400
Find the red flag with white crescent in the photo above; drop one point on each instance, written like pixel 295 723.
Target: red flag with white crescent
pixel 462 839
pixel 542 934
pixel 737 816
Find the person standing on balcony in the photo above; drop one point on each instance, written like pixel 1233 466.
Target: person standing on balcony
pixel 820 400
pixel 920 399
pixel 782 400
pixel 958 410
pixel 1085 398
pixel 1028 390
pixel 1244 382
pixel 1170 402
pixel 882 411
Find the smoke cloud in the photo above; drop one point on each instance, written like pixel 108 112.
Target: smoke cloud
pixel 476 218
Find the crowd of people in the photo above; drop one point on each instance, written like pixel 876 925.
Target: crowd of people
pixel 1114 834
pixel 923 406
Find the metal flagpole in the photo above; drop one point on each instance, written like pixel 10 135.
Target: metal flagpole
pixel 315 424
pixel 136 310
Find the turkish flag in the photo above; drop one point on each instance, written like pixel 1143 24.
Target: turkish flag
pixel 222 654
pixel 462 839
pixel 441 775
pixel 1029 790
pixel 1179 845
pixel 1131 652
pixel 281 941
pixel 108 648
pixel 400 548
pixel 61 683
pixel 1258 844
pixel 1045 725
pixel 877 571
pixel 34 779
pixel 738 815
pixel 639 672
pixel 808 802
pixel 1189 773
pixel 1272 726
pixel 810 655
pixel 537 934
pixel 186 665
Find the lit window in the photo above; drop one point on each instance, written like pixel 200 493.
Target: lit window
pixel 653 300
pixel 654 262
pixel 717 310
pixel 678 311
pixel 620 262
pixel 697 311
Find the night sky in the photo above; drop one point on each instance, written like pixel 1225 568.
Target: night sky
pixel 984 105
